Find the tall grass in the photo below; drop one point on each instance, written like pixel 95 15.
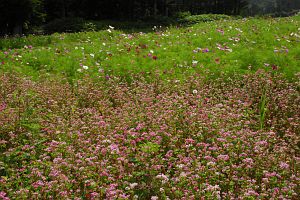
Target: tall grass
pixel 242 46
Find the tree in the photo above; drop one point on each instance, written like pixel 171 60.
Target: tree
pixel 14 13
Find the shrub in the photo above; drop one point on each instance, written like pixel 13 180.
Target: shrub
pixel 20 42
pixel 194 19
pixel 159 20
pixel 65 25
pixel 182 15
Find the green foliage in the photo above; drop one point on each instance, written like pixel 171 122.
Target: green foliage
pixel 223 47
pixel 89 26
pixel 65 25
pixel 263 109
pixel 182 15
pixel 71 25
pixel 25 42
pixel 21 14
pixel 194 19
pixel 150 147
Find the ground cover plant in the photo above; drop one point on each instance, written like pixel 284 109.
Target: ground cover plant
pixel 209 111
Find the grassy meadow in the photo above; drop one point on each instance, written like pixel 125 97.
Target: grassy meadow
pixel 208 111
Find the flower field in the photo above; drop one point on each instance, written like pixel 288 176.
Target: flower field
pixel 210 111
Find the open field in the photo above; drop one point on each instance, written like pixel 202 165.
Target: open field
pixel 210 111
pixel 235 45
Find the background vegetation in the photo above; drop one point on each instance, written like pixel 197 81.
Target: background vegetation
pixel 29 16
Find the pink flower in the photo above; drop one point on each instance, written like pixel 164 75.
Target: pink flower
pixel 251 192
pixel 114 148
pixel 223 157
pixel 94 194
pixel 284 165
pixel 189 141
pixel 63 193
pixel 3 196
pixel 38 184
pixel 248 161
pixel 274 67
pixel 206 50
pixel 220 31
pixel 3 106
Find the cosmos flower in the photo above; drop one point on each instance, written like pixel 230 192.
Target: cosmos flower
pixel 85 67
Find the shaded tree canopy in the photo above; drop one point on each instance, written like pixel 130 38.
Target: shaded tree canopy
pixel 15 14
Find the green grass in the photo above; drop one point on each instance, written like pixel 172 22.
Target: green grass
pixel 250 44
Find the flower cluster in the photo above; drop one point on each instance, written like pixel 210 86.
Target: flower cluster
pixel 157 139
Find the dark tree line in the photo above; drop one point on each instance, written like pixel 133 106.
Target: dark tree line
pixel 277 7
pixel 17 14
pixel 138 9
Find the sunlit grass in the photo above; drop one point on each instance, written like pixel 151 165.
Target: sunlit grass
pixel 235 45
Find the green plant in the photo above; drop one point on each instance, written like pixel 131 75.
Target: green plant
pixel 194 19
pixel 263 109
pixel 89 26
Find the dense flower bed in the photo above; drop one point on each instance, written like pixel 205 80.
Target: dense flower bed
pixel 232 138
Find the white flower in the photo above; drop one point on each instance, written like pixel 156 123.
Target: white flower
pixel 180 166
pixel 92 55
pixel 85 67
pixel 195 91
pixel 238 29
pixel 103 44
pixel 79 70
pixel 194 62
pixel 106 141
pixel 154 198
pixel 182 174
pixel 132 185
pixel 151 51
pixel 111 27
pixel 211 163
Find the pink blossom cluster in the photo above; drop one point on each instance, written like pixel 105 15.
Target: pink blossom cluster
pixel 109 139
